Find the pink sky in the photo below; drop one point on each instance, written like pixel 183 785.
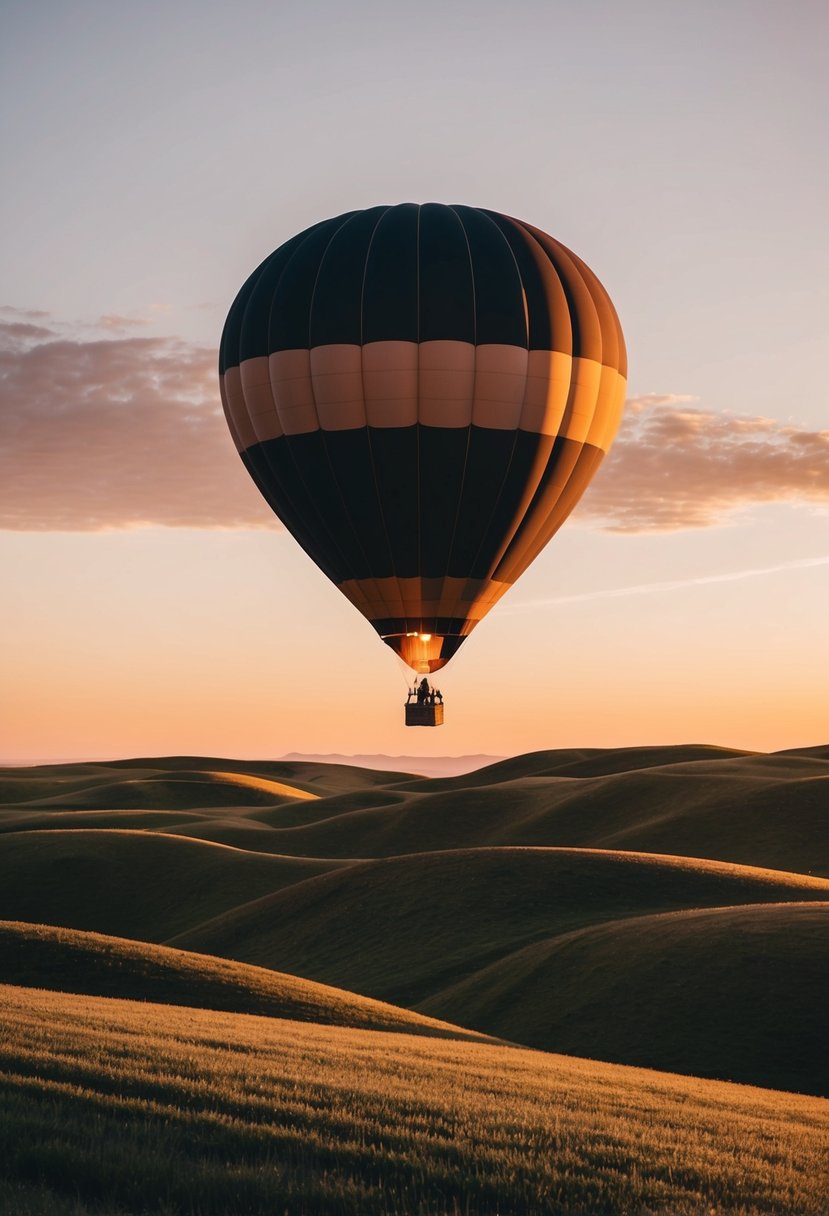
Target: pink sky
pixel 153 605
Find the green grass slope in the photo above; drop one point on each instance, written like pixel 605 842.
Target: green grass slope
pixel 237 830
pixel 579 762
pixel 313 776
pixel 49 820
pixel 22 785
pixel 301 814
pixel 737 993
pixel 761 818
pixel 161 782
pixel 761 810
pixel 66 960
pixel 784 824
pixel 185 790
pixel 134 884
pixel 819 752
pixel 404 928
pixel 252 828
pixel 108 1106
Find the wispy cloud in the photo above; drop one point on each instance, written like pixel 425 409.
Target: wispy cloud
pixel 9 311
pixel 675 465
pixel 676 584
pixel 118 324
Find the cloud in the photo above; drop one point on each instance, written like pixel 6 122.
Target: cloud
pixel 675 465
pixel 23 331
pixel 115 432
pixel 9 311
pixel 674 584
pixel 118 430
pixel 114 321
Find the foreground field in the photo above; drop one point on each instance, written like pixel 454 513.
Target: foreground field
pixel 114 1107
pixel 623 904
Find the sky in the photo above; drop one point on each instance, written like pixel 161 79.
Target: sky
pixel 156 152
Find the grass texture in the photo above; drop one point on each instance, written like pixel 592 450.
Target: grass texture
pixel 111 1107
pixel 66 960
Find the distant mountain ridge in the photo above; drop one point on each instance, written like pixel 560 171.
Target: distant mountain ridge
pixel 429 766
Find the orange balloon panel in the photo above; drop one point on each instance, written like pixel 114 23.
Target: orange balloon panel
pixel 422 394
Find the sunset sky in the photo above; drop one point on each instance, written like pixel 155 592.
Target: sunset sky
pixel 158 151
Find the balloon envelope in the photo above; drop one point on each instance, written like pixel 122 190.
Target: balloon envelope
pixel 422 393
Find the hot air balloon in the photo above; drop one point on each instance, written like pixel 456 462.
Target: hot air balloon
pixel 422 394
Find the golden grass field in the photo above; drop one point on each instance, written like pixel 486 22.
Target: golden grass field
pixel 402 941
pixel 180 1110
pixel 42 956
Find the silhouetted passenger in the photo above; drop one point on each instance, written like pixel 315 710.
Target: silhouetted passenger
pixel 438 696
pixel 422 691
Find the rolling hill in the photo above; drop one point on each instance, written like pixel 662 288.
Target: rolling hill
pixel 761 818
pixel 157 781
pixel 133 884
pixel 425 920
pixel 736 992
pixel 65 960
pixel 657 905
pixel 110 1106
pixel 752 809
pixel 581 762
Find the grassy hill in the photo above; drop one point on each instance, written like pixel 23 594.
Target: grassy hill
pixel 580 762
pixel 133 884
pixel 425 920
pixel 65 960
pixel 161 792
pixel 753 809
pixel 761 817
pixel 313 776
pixel 736 993
pixel 49 820
pixel 108 1106
pixel 162 781
pixel 818 752
pixel 507 896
